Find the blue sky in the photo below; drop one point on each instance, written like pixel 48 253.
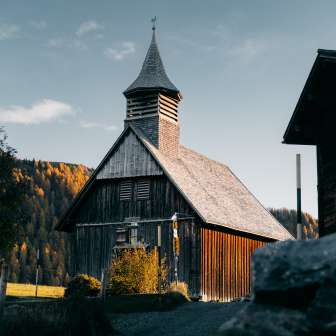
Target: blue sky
pixel 240 65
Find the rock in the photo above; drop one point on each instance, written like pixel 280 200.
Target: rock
pixel 294 291
pixel 266 320
pixel 290 273
pixel 322 310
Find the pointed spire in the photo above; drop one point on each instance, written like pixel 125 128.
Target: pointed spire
pixel 152 74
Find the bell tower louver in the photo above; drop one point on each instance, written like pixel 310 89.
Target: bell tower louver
pixel 152 103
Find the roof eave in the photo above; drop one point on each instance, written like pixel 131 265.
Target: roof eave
pixel 252 232
pixel 290 130
pixel 65 217
pixel 175 93
pixel 292 135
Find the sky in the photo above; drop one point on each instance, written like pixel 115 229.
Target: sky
pixel 240 65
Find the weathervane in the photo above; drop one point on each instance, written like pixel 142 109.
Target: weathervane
pixel 153 20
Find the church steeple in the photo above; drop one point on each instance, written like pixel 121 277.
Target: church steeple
pixel 152 103
pixel 153 74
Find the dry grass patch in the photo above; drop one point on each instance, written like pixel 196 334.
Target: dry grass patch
pixel 14 289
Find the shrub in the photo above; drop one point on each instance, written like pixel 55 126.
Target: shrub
pixel 83 285
pixel 136 272
pixel 180 287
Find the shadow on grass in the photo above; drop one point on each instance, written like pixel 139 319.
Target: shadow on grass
pixel 71 317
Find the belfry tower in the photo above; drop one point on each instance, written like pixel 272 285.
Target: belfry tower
pixel 152 103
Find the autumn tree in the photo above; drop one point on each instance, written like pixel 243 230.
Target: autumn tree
pixel 12 191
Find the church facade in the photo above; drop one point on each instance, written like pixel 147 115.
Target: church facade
pixel 146 178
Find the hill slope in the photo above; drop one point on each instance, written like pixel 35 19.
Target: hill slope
pixel 287 218
pixel 52 188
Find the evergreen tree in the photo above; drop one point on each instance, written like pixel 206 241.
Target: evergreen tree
pixel 12 189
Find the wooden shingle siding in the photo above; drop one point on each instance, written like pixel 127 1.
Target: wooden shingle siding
pixel 226 265
pixel 130 159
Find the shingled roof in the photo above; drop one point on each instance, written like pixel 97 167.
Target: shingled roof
pixel 216 194
pixel 153 74
pixel 211 189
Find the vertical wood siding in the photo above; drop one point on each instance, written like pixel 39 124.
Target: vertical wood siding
pixel 226 265
pixel 94 249
pixel 94 244
pixel 129 159
pixel 326 168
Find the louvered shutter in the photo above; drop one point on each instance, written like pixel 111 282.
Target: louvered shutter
pixel 143 190
pixel 125 190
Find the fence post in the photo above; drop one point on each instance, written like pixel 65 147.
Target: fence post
pixel 159 257
pixel 104 281
pixel 3 286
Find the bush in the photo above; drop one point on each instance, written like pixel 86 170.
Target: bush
pixel 83 285
pixel 136 272
pixel 180 287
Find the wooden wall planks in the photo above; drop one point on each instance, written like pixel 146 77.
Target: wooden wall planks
pixel 94 249
pixel 130 159
pixel 226 264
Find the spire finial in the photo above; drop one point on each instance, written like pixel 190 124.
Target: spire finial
pixel 153 20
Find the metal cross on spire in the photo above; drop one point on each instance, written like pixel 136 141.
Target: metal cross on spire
pixel 153 20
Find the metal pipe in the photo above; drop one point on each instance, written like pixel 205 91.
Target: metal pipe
pixel 37 270
pixel 129 222
pixel 159 255
pixel 299 228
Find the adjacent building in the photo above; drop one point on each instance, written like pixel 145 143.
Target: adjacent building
pixel 313 123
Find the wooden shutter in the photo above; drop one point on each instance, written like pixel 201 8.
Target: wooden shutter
pixel 125 190
pixel 143 190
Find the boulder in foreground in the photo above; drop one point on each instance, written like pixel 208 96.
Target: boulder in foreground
pixel 294 291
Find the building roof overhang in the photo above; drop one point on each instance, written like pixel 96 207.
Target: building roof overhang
pixel 316 105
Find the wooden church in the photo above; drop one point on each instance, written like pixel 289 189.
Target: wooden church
pixel 313 123
pixel 147 177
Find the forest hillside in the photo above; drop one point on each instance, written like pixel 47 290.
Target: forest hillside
pixel 288 219
pixel 52 187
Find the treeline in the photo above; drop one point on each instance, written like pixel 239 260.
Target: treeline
pixel 288 218
pixel 52 187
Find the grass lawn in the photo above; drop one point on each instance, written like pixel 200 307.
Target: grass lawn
pixel 28 290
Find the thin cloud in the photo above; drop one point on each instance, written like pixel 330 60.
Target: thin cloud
pixel 8 31
pixel 85 124
pixel 46 110
pixel 88 27
pixel 59 43
pixel 39 25
pixel 247 49
pixel 55 43
pixel 127 48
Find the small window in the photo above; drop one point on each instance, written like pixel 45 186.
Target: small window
pixel 142 190
pixel 133 234
pixel 125 191
pixel 121 236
